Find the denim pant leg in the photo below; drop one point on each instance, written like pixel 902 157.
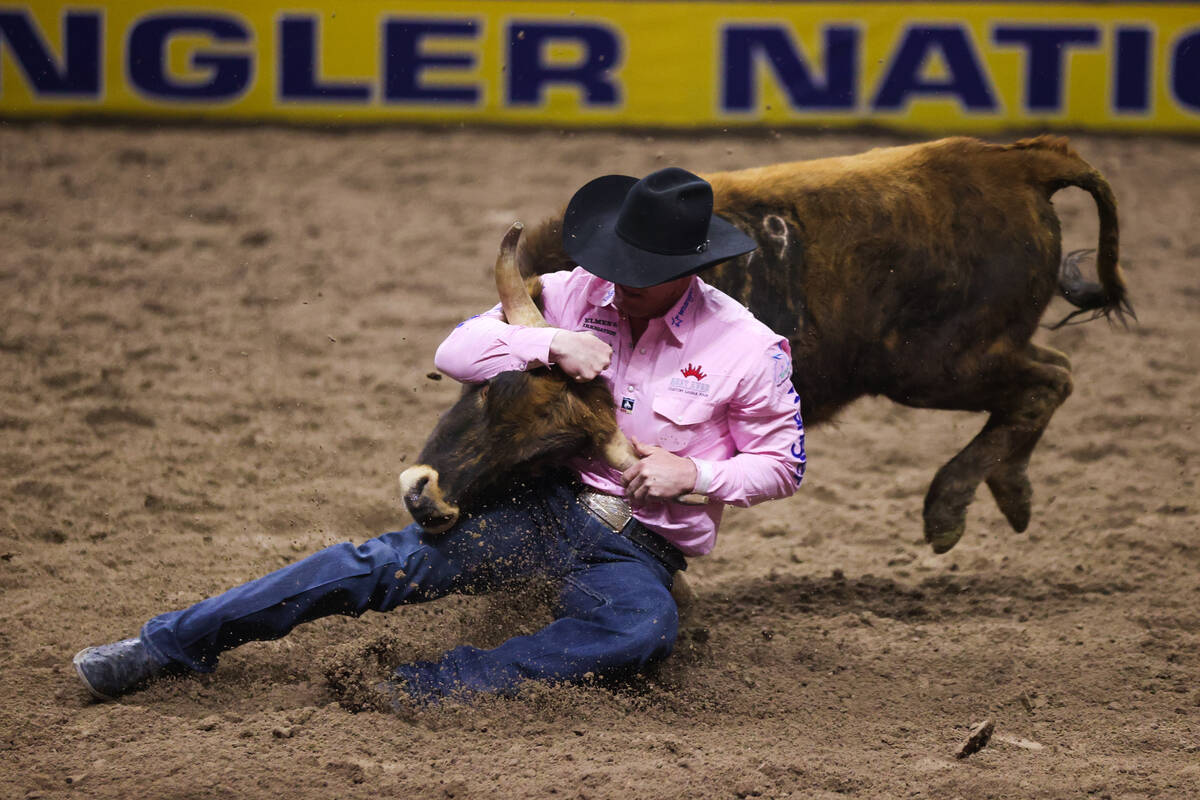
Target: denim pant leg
pixel 615 614
pixel 498 544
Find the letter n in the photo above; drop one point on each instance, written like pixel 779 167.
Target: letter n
pixel 745 46
pixel 79 74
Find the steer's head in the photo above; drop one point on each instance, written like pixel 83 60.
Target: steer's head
pixel 515 421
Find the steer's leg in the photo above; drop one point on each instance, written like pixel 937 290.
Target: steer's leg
pixel 1009 480
pixel 1021 391
pixel 1048 355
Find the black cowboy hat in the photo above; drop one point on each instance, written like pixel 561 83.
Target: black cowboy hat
pixel 645 232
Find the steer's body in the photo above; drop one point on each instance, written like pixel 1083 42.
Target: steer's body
pixel 919 273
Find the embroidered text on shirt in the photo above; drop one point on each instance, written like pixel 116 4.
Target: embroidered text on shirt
pixel 600 325
pixel 677 317
pixel 694 388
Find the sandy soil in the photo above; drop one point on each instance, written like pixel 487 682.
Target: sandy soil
pixel 216 354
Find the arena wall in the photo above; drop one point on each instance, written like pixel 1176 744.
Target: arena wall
pixel 971 67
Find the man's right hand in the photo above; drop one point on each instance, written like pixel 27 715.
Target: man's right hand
pixel 581 355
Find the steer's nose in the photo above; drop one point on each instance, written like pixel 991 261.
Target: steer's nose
pixel 413 495
pixel 423 499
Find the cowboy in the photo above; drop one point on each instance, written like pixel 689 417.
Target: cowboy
pixel 701 387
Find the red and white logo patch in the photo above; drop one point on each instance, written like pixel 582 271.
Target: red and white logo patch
pixel 696 387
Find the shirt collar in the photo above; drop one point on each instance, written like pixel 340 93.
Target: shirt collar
pixel 677 319
pixel 601 293
pixel 680 317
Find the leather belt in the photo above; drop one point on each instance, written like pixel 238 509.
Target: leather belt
pixel 615 514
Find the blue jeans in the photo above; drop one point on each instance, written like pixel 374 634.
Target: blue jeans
pixel 614 611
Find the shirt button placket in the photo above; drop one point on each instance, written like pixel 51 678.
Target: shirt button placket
pixel 636 370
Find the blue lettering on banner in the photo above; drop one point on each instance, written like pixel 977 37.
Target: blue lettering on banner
pixel 965 81
pixel 529 75
pixel 436 59
pixel 1131 71
pixel 744 46
pixel 228 74
pixel 1185 72
pixel 299 59
pixel 1044 63
pixel 405 61
pixel 79 75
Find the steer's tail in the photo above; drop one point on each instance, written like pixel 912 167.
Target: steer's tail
pixel 1057 167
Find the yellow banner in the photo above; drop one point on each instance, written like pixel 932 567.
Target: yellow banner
pixel 929 67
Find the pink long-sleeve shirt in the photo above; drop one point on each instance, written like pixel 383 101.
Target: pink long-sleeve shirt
pixel 706 381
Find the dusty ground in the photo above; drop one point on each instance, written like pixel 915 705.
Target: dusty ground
pixel 215 351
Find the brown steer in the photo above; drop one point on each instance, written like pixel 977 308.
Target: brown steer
pixel 918 273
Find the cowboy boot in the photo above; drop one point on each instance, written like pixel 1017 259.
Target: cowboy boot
pixel 111 670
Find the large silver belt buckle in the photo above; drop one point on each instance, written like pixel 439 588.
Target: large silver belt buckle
pixel 612 511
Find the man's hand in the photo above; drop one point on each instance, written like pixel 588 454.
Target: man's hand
pixel 581 355
pixel 659 475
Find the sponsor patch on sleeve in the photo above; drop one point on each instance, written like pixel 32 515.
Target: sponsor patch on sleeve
pixel 781 365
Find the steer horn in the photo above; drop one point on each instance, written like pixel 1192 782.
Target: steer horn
pixel 519 308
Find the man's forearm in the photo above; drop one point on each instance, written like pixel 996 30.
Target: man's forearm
pixel 748 478
pixel 484 346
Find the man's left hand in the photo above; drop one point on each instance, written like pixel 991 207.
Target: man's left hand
pixel 658 475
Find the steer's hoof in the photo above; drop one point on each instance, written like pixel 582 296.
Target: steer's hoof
pixel 944 534
pixel 946 511
pixel 1014 496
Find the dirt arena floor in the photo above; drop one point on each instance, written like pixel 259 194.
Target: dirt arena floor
pixel 216 356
